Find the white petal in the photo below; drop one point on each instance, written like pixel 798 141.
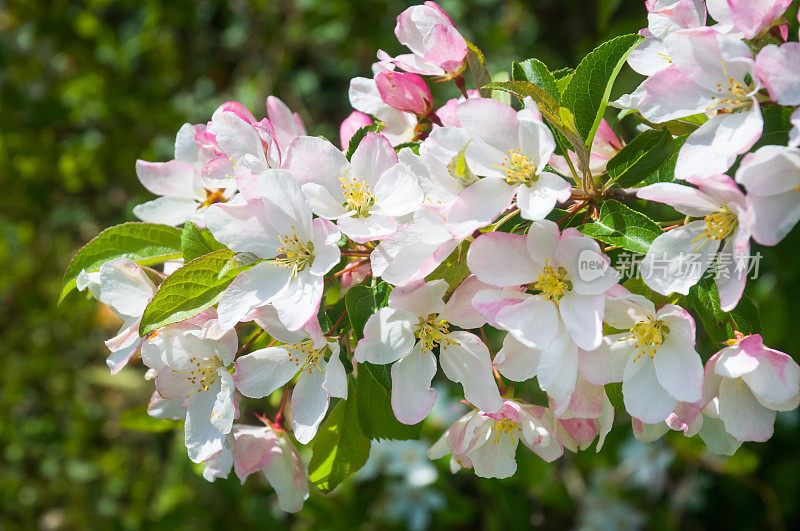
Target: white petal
pixel 388 336
pixel 309 404
pixel 538 199
pixel 502 259
pixel 468 362
pixel 642 393
pixel 516 361
pixel 744 417
pixel 582 315
pixel 260 373
pixel 412 395
pixel 252 289
pixel 166 210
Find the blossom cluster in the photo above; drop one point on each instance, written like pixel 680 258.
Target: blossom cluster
pixel 461 222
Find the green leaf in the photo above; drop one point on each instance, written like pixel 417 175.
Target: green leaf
pixel 362 301
pixel 703 298
pixel 536 72
pixel 454 268
pixel 359 135
pixel 137 419
pixel 196 243
pixel 587 93
pixel 477 69
pixel 776 126
pixel 143 243
pixel 189 290
pixel 666 172
pixel 621 226
pixel 614 392
pixel 640 159
pixel 375 413
pixel 523 89
pixel 340 448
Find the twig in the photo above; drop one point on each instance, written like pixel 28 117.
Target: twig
pixel 249 342
pixel 279 416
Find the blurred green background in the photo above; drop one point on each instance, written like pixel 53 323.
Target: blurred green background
pixel 87 87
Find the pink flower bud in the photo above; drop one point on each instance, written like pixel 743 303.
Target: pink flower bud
pixel 355 121
pixel 405 92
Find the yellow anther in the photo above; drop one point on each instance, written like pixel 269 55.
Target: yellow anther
pixel 294 253
pixel 505 426
pixel 357 195
pixel 719 226
pixel 553 283
pixel 305 356
pixel 649 335
pixel 432 331
pixel 519 169
pixel 202 373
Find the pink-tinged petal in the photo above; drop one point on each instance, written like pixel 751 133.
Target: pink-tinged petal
pixel 535 139
pixel 322 202
pixel 203 440
pixel 416 22
pixel 607 363
pixel 646 432
pixel 586 401
pixel 489 302
pixel 735 361
pixel 751 17
pixel 404 257
pixel 720 188
pixel 397 192
pixel 445 47
pixel 459 309
pixel 714 146
pixel 354 121
pixel 642 393
pixel 287 475
pixel 287 210
pixel 774 216
pixel 235 136
pixel 534 321
pixel 538 199
pixel 478 205
pixel 502 259
pixel 558 367
pixel 218 173
pixel 260 373
pixel 516 361
pixel 588 269
pixel 420 298
pixel 252 289
pixel 165 408
pixel 492 121
pixel 582 316
pixel 624 310
pixel 468 362
pixel 309 404
pixel 225 408
pixel 243 227
pixel 677 259
pixel 684 199
pixel 776 381
pixel 649 57
pixel 373 156
pixel 412 395
pixel 731 274
pixel 362 230
pixel 707 56
pixel 679 369
pixel 669 94
pixel 253 448
pixel 744 417
pixel 299 302
pixel 771 170
pixel 187 149
pixel 314 159
pixel 388 336
pixel 326 252
pixel 686 418
pixel 287 125
pixel 238 109
pixel 779 70
pixel 175 178
pixel 124 286
pixel 166 210
pixel 173 385
pixel 538 436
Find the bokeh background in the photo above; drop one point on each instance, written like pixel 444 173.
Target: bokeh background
pixel 87 87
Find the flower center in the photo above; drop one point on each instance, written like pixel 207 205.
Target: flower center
pixel 294 254
pixel 305 356
pixel 553 283
pixel 719 226
pixel 203 373
pixel 217 196
pixel 432 331
pixel 357 196
pixel 731 95
pixel 519 169
pixel 649 335
pixel 504 427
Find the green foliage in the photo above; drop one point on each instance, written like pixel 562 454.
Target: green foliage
pixel 137 419
pixel 188 291
pixel 703 298
pixel 362 301
pixel 477 69
pixel 196 243
pixel 666 173
pixel 454 268
pixel 536 72
pixel 641 158
pixel 614 393
pixel 359 135
pixel 144 243
pixel 375 415
pixel 587 93
pixel 624 227
pixel 340 448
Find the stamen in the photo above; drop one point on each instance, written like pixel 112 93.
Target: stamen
pixel 649 335
pixel 719 226
pixel 431 332
pixel 294 254
pixel 505 426
pixel 202 374
pixel 357 195
pixel 305 356
pixel 519 169
pixel 553 283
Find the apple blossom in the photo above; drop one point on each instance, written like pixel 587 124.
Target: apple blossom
pixel 399 126
pixel 406 331
pixel 752 382
pixel 264 371
pixel 750 17
pixel 678 258
pixel 297 251
pixel 605 145
pixel 405 92
pixel 488 442
pixel 365 195
pixel 655 358
pixel 350 125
